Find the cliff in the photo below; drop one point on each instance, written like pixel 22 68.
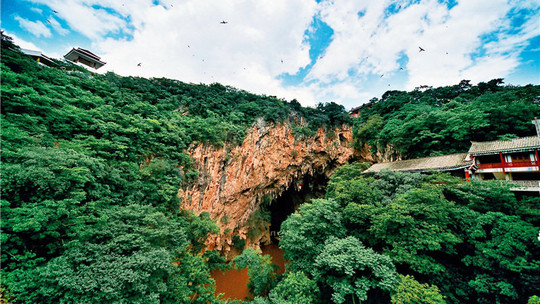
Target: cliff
pixel 234 181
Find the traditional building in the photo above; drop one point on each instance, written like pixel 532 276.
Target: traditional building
pixel 455 164
pixel 39 57
pixel 355 112
pixel 514 160
pixel 85 57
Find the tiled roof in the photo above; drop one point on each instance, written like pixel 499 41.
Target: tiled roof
pixel 91 59
pixel 87 52
pixel 38 54
pixel 504 146
pixel 426 164
pixel 30 52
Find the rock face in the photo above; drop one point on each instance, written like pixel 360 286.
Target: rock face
pixel 233 182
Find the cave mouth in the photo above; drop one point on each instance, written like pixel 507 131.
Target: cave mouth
pixel 299 192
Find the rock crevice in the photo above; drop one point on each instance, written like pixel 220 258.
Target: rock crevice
pixel 234 181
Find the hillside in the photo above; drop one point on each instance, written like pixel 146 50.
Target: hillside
pixel 91 168
pixel 131 190
pixel 437 121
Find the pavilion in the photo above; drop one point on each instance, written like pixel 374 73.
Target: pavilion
pixel 85 57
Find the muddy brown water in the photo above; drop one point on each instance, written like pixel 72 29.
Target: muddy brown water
pixel 233 283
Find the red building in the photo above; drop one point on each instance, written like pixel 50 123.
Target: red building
pixel 355 112
pixel 514 160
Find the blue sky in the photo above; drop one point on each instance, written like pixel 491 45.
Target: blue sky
pixel 347 51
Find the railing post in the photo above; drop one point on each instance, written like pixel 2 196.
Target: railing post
pixel 502 162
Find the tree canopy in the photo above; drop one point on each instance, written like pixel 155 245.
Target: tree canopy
pixel 444 120
pixel 443 241
pixel 91 167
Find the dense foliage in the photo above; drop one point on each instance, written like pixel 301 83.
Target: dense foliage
pixel 445 120
pixel 91 166
pixel 415 239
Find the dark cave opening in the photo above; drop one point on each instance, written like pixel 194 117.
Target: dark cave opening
pixel 299 192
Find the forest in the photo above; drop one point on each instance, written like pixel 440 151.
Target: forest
pixel 91 167
pixel 437 121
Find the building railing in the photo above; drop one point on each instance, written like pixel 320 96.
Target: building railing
pixel 515 164
pixel 526 183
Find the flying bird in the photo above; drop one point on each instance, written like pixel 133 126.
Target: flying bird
pixel 48 20
pixel 139 64
pixel 421 49
pixel 55 12
pixel 281 60
pixel 224 22
pixel 382 75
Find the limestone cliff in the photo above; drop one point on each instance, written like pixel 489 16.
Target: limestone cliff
pixel 233 181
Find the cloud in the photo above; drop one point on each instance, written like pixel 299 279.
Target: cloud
pixel 57 26
pixel 36 28
pixel 379 40
pixel 261 40
pixel 37 10
pixel 475 39
pixel 31 46
pixel 89 18
pixel 22 43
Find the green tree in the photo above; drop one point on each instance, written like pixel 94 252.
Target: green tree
pixel 127 254
pixel 502 258
pixel 444 120
pixel 303 234
pixel 353 272
pixel 410 291
pixel 261 271
pixel 295 288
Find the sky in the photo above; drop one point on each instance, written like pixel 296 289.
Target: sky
pixel 346 51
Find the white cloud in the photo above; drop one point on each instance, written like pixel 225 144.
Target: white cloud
pixel 264 39
pixel 372 44
pixel 57 26
pixel 37 10
pixel 261 40
pixel 31 46
pixel 36 28
pixel 23 43
pixel 81 16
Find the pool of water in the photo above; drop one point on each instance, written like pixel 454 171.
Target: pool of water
pixel 233 283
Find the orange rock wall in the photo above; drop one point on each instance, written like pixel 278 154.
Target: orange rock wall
pixel 232 181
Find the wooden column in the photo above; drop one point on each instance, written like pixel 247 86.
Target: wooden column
pixel 502 162
pixel 537 160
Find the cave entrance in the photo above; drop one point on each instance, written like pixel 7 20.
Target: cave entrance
pixel 304 190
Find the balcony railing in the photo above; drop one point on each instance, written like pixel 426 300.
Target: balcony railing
pixel 526 183
pixel 515 164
